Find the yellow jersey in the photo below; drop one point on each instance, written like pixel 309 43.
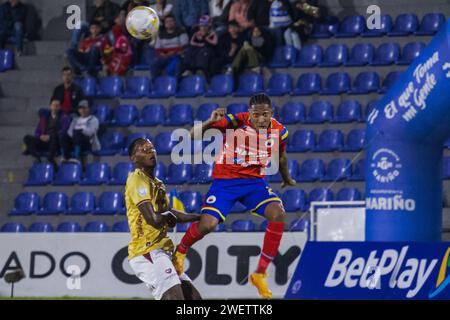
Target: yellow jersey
pixel 144 238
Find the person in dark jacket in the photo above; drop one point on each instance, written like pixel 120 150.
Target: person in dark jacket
pixel 259 12
pixel 68 92
pixel 12 19
pixel 104 12
pixel 188 13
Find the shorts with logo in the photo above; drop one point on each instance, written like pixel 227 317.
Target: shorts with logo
pixel 255 194
pixel 156 270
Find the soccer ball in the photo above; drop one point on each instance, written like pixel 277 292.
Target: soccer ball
pixel 142 23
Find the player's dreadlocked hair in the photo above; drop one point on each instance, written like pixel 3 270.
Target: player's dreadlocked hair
pixel 260 98
pixel 134 144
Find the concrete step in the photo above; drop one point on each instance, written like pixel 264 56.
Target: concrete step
pixel 14 104
pixel 46 47
pixel 41 62
pixel 28 76
pixel 18 118
pixel 27 90
pixel 15 133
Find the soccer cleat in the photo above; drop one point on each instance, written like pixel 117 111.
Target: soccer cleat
pixel 178 262
pixel 259 281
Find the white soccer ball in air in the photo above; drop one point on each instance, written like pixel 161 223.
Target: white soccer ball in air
pixel 142 23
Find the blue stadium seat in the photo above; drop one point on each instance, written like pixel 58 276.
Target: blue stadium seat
pixel 319 112
pixel 163 143
pixel 89 86
pixel 133 137
pixel 152 115
pixel 238 208
pixel 330 140
pixel 311 170
pixel 410 52
pixel 338 170
pixel 263 225
pixel 179 173
pixel 249 84
pixel 370 106
pixel 164 87
pixel 389 81
pixel 302 141
pixel 25 203
pixel 447 144
pixel 337 83
pixel 405 24
pixel 125 115
pixel 192 201
pixel 220 228
pixel 179 115
pixel 358 171
pixel 120 173
pixel 292 168
pixel 137 87
pixel 299 225
pixel 348 111
pixel 386 54
pixel 446 168
pixel 121 226
pixel 160 171
pixel 40 174
pixel 283 57
pixel 96 174
pixel 294 200
pixel 310 55
pixel 220 86
pixel 351 27
pixel 235 108
pixel 430 24
pixel 12 227
pixel 326 28
pixel 279 84
pixel 335 55
pixel 242 226
pixel 109 203
pixel 183 227
pixel 202 173
pixel 385 27
pixel 348 194
pixel 6 60
pixel 96 226
pixel 366 82
pixel 360 55
pixel 53 203
pixel 191 86
pixel 204 111
pixel 103 114
pixel 112 143
pixel 68 227
pixel 68 174
pixel 320 194
pixel 110 87
pixel 355 140
pixel 40 227
pixel 292 112
pixel 81 203
pixel 308 84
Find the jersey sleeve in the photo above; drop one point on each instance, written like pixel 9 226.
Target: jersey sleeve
pixel 283 139
pixel 139 190
pixel 229 121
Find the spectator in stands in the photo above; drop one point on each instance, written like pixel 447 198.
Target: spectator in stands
pixel 200 53
pixel 169 46
pixel 219 10
pixel 117 62
pixel 89 52
pixel 104 12
pixel 68 92
pixel 304 17
pixel 129 5
pixel 280 24
pixel 48 133
pixel 259 12
pixel 12 18
pixel 188 12
pixel 239 13
pixel 81 137
pixel 162 8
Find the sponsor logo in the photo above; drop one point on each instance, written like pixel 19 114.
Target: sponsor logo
pixel 443 279
pixel 142 191
pixel 385 165
pixel 211 199
pixel 390 203
pixel 168 270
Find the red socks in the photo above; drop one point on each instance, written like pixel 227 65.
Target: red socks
pixel 272 239
pixel 192 236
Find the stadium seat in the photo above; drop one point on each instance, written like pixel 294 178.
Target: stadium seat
pixel 53 203
pixel 292 168
pixel 302 141
pixel 183 227
pixel 160 171
pixel 279 84
pixel 351 27
pixel 299 225
pixel 311 170
pixel 292 113
pixel 263 225
pixel 310 55
pixel 110 87
pixel 112 143
pixel 330 140
pixel 242 226
pixel 137 87
pixel 68 227
pixel 338 170
pixel 68 174
pixel 348 194
pixel 121 226
pixel 180 115
pixel 336 83
pixel 385 27
pixel 164 87
pixel 96 226
pixel 366 82
pixel 220 228
pixel 40 227
pixel 125 115
pixel 370 106
pixel 152 115
pixel 103 113
pixel 12 227
pixel 205 110
pixel 405 24
pixel 355 140
pixel 430 24
pixel 120 173
pixel 40 174
pixel 220 86
pixel 410 52
pixel 446 168
pixel 249 84
pixel 360 55
pixel 192 201
pixel 132 137
pixel 25 203
pixel 335 55
pixel 81 203
pixel 386 54
pixel 348 111
pixel 308 84
pixel 109 203
pixel 164 143
pixel 326 28
pixel 389 81
pixel 294 200
pixel 179 173
pixel 238 207
pixel 319 112
pixel 358 171
pixel 235 108
pixel 89 86
pixel 320 194
pixel 96 174
pixel 191 86
pixel 283 57
pixel 202 173
pixel 6 60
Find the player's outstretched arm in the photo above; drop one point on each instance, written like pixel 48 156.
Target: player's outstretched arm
pixel 284 172
pixel 155 220
pixel 216 115
pixel 184 217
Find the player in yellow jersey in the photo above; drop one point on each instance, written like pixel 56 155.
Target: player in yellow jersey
pixel 149 216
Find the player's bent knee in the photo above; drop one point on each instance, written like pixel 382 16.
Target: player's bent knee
pixel 207 224
pixel 275 212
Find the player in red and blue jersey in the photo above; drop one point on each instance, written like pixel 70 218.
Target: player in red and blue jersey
pixel 251 140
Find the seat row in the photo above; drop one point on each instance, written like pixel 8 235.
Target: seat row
pixel 6 60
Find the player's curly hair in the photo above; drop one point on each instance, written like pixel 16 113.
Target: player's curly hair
pixel 260 98
pixel 132 146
